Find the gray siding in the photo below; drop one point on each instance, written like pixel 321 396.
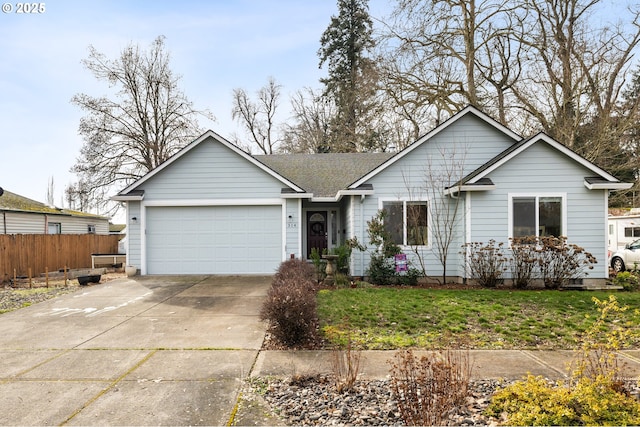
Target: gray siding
pixel 211 171
pixel 538 170
pixel 208 172
pixel 469 139
pixel 293 228
pixel 36 223
pixel 134 234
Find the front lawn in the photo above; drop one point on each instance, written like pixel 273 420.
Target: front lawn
pixel 389 318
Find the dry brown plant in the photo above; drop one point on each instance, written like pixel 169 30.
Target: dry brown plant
pixel 428 389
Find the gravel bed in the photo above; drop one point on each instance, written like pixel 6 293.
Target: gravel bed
pixel 314 401
pixel 13 299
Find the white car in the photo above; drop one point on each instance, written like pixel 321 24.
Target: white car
pixel 627 258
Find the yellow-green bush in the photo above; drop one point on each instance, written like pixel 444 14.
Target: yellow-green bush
pixel 535 401
pixel 595 393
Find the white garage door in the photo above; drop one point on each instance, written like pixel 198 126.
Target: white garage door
pixel 214 239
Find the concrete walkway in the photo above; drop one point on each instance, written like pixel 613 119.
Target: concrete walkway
pixel 150 351
pixel 174 351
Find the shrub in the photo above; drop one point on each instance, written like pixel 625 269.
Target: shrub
pixel 295 270
pixel 594 395
pixel 319 264
pixel 535 401
pixel 559 261
pixel 523 261
pixel 344 255
pixel 290 306
pixel 487 263
pixel 382 270
pixel 429 388
pixel 346 365
pixel 627 280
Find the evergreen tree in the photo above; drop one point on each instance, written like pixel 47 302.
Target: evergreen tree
pixel 351 83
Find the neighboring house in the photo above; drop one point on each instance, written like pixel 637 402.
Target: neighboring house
pixel 20 215
pixel 214 209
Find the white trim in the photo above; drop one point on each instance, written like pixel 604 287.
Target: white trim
pixel 449 122
pixel 468 235
pixel 283 231
pixel 300 228
pixel 468 188
pixel 128 198
pixel 297 195
pixel 608 185
pixel 143 239
pixel 606 232
pixel 213 202
pixel 537 195
pixel 217 138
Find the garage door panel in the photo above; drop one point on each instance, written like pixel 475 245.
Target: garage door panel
pixel 214 240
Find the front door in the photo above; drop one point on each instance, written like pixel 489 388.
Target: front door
pixel 316 231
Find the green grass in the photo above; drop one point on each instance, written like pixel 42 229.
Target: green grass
pixel 389 318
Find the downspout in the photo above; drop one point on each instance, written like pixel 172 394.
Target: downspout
pixel 4 221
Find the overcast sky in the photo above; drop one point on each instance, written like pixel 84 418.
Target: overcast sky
pixel 215 45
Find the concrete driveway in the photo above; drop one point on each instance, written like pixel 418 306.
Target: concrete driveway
pixel 150 351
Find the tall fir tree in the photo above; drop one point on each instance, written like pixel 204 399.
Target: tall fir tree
pixel 352 78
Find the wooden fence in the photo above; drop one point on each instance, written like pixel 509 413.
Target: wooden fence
pixel 40 252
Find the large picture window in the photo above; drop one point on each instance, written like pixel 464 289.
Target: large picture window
pixel 537 216
pixel 407 222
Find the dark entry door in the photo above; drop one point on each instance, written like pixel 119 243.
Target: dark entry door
pixel 316 231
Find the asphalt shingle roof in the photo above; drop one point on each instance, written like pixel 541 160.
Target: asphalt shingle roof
pixel 324 174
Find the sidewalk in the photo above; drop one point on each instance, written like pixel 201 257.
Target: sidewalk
pixel 374 365
pixel 485 364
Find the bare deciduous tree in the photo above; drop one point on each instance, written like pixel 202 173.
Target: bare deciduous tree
pixel 146 121
pixel 50 192
pixel 445 169
pixel 310 132
pixel 257 117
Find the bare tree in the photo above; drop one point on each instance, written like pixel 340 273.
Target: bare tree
pixel 50 192
pixel 257 117
pixel 147 120
pixel 437 48
pixel 445 170
pixel 77 197
pixel 312 115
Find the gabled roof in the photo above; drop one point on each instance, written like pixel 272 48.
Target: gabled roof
pixel 600 181
pixel 129 193
pixel 324 175
pixel 426 137
pixel 12 202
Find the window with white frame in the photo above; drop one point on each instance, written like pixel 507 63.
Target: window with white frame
pixel 537 215
pixel 407 222
pixel 54 228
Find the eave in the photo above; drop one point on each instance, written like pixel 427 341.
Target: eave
pixel 597 183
